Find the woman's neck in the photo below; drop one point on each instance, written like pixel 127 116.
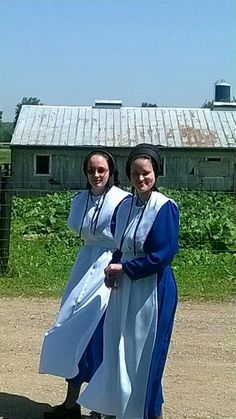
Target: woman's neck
pixel 97 192
pixel 144 196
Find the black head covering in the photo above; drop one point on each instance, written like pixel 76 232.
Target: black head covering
pixel 110 161
pixel 111 164
pixel 142 150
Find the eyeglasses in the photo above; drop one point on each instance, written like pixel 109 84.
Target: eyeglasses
pixel 100 171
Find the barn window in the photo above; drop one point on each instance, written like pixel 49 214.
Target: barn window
pixel 42 164
pixel 213 167
pixel 213 159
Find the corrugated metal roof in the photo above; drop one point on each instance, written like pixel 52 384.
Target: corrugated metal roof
pixel 124 127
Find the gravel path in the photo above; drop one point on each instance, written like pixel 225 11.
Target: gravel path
pixel 200 376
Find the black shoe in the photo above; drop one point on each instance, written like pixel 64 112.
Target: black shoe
pixel 95 415
pixel 62 412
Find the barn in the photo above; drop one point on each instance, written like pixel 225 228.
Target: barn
pixel 197 145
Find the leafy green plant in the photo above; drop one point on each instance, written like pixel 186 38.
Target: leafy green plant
pixel 43 216
pixel 207 220
pixel 42 249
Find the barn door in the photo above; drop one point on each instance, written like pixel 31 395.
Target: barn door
pixel 214 173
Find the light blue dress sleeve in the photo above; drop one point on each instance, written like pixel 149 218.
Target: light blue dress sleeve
pixel 117 254
pixel 160 246
pixel 73 221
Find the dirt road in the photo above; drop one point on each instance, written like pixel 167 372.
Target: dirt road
pixel 200 376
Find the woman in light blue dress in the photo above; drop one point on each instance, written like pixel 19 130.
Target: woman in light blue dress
pixel 72 347
pixel 141 309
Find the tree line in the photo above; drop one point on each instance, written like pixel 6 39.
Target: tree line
pixel 7 128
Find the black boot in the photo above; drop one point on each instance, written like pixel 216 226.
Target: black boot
pixel 62 412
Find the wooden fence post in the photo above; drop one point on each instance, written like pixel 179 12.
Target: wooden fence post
pixel 5 219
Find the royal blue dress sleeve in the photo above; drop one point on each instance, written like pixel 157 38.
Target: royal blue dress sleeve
pixel 116 256
pixel 160 246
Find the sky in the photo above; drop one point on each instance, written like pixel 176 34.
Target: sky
pixel 72 52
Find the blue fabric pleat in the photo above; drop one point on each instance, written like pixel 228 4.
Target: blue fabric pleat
pixel 167 302
pixel 91 358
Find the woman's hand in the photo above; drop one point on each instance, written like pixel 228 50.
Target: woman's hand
pixel 111 273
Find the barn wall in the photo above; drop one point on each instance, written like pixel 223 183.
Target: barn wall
pixel 192 168
pixel 184 168
pixel 66 168
pixel 200 169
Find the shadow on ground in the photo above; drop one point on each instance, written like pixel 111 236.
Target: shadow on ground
pixel 13 406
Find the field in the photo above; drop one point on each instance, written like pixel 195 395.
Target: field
pixel 5 154
pixel 43 250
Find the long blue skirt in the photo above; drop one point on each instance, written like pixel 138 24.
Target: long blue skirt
pixel 167 302
pixel 91 358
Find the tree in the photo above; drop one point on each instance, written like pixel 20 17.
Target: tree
pixel 208 104
pixel 148 105
pixel 6 130
pixel 25 101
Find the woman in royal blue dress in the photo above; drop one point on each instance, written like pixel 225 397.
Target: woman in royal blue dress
pixel 141 310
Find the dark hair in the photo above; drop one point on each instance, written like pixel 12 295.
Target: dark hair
pixel 113 172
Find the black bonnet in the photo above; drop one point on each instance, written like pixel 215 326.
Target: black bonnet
pixel 148 150
pixel 111 162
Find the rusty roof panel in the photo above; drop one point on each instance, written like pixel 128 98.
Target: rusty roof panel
pixel 124 127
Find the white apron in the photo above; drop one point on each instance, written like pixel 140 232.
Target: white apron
pixel 119 386
pixel 85 297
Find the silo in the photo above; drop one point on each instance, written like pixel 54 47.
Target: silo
pixel 222 91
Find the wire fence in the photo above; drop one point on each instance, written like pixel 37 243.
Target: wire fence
pixel 208 219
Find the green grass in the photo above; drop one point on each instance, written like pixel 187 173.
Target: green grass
pixel 5 155
pixel 203 274
pixel 37 266
pixel 41 266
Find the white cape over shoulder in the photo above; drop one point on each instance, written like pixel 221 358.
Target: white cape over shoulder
pixel 86 297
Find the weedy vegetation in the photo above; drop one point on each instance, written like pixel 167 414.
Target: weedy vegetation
pixel 5 154
pixel 43 250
